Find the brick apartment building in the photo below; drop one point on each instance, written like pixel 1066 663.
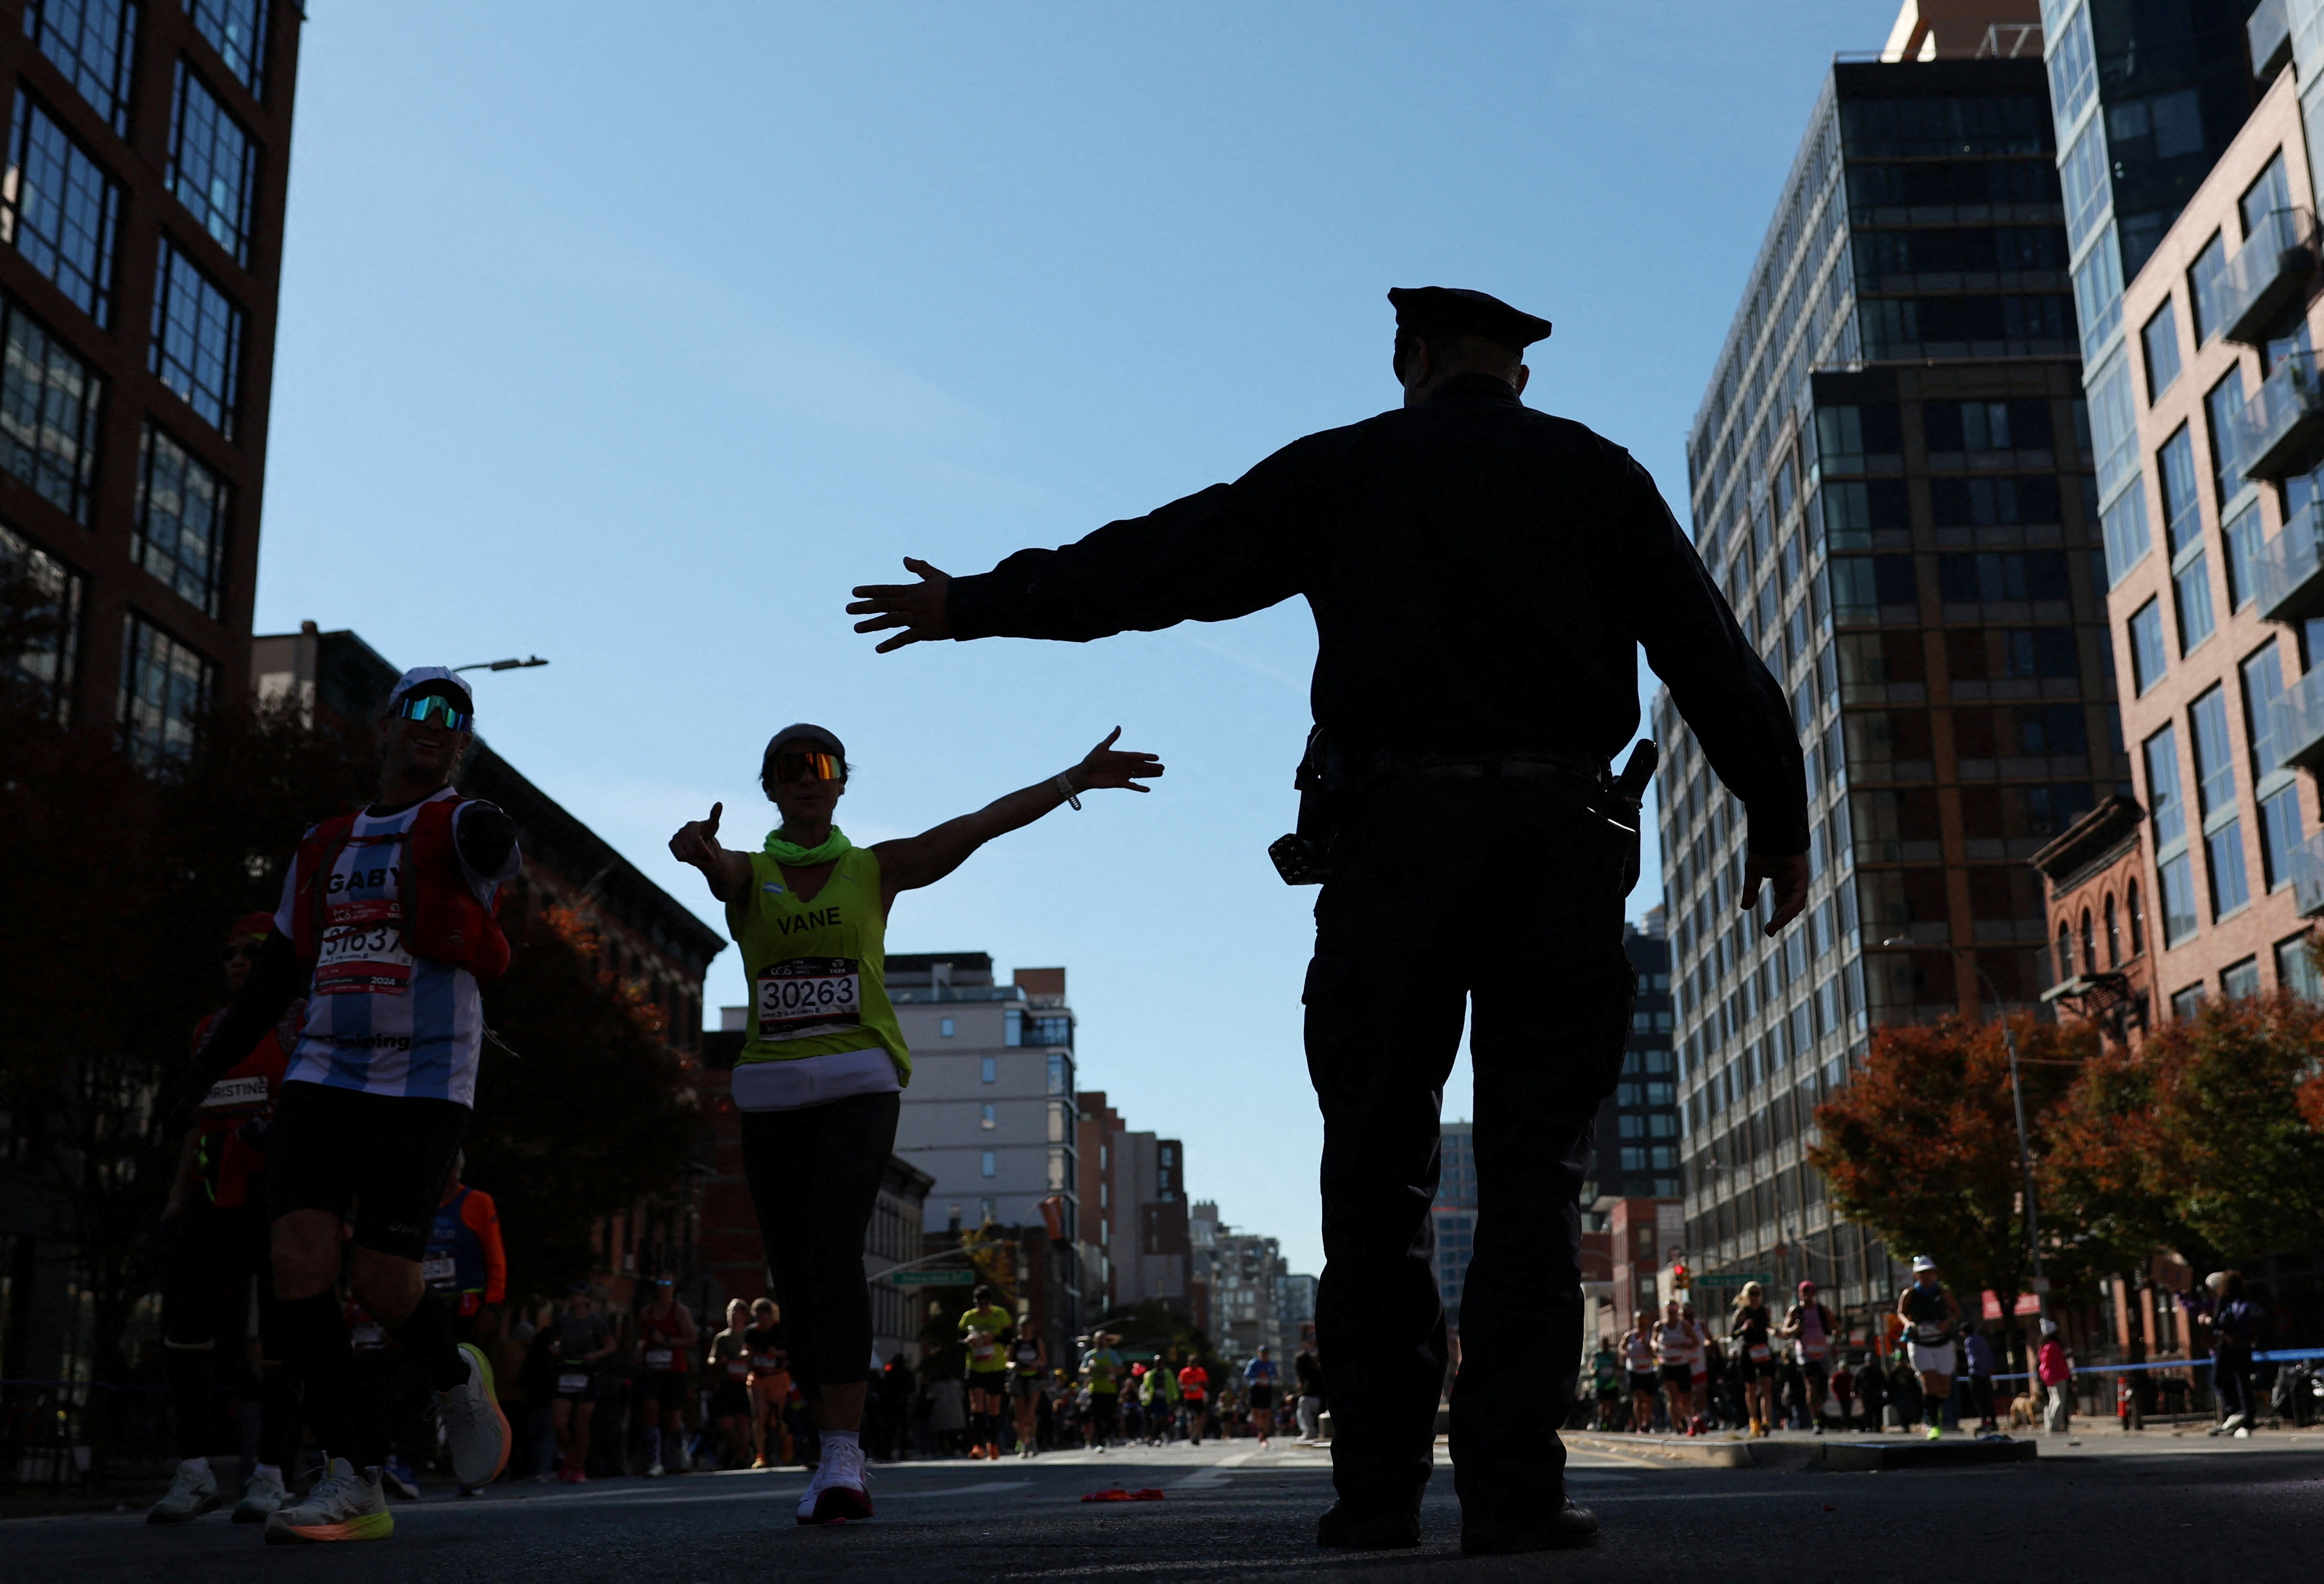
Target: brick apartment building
pixel 2216 591
pixel 140 247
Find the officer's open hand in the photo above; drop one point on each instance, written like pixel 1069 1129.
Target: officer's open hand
pixel 918 608
pixel 1789 877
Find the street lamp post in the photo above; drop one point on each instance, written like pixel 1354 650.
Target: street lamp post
pixel 507 665
pixel 2017 1102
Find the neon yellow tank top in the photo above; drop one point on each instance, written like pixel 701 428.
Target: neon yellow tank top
pixel 818 969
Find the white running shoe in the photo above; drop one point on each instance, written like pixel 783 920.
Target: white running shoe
pixel 343 1506
pixel 474 1428
pixel 653 1471
pixel 261 1498
pixel 191 1495
pixel 836 1495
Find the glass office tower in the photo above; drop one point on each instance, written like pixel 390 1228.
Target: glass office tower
pixel 1890 474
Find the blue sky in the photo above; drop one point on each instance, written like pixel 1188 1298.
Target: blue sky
pixel 636 344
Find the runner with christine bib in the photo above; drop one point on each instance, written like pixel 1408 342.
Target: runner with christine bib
pixel 1931 1320
pixel 822 1070
pixel 1809 1325
pixel 730 1384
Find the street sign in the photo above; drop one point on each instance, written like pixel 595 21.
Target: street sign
pixel 1729 1279
pixel 930 1278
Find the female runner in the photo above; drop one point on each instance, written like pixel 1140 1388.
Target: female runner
pixel 820 1075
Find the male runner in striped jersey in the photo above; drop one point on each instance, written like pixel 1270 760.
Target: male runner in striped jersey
pixel 387 926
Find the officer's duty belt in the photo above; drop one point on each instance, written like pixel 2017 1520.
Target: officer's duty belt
pixel 1571 767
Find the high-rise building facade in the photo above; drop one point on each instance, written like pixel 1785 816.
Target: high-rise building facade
pixel 1890 476
pixel 1134 1227
pixel 1638 1124
pixel 2144 97
pixel 140 247
pixel 2216 613
pixel 990 1112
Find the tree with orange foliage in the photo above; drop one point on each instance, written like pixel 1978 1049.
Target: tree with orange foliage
pixel 2201 1140
pixel 1921 1146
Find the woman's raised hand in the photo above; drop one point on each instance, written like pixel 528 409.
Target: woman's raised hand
pixel 1106 766
pixel 697 841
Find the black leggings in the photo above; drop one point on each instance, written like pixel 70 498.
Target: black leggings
pixel 814 1177
pixel 213 1256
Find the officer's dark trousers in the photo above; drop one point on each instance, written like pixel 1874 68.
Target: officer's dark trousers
pixel 1502 897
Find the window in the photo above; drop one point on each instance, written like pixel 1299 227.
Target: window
pixel 1991 577
pixel 2089 951
pixel 2215 775
pixel 197 348
pixel 1985 425
pixel 2245 536
pixel 1986 502
pixel 2164 810
pixel 165 687
pixel 2113 933
pixel 60 210
pixel 2038 652
pixel 2280 836
pixel 2187 1003
pixel 181 513
pixel 986 1119
pixel 947 1027
pixel 990 1067
pixel 48 414
pixel 213 164
pixel 2191 596
pixel 2295 969
pixel 2203 287
pixel 2182 519
pixel 2240 981
pixel 2147 658
pixel 2223 855
pixel 2160 337
pixel 2264 201
pixel 2263 686
pixel 1061 1073
pixel 2124 526
pixel 2223 406
pixel 991 1164
pixel 2137 919
pixel 93 42
pixel 236 30
pixel 50 632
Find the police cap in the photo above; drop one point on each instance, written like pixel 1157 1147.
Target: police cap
pixel 1454 310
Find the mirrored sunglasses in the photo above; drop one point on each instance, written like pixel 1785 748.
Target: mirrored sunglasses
pixel 809 766
pixel 434 707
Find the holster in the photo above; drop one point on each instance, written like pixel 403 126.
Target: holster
pixel 1618 801
pixel 1304 858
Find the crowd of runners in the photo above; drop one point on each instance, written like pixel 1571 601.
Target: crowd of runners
pixel 1681 1372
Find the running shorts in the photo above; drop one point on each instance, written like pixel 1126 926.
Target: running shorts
pixel 995 1381
pixel 576 1385
pixel 1933 1361
pixel 377 1160
pixel 1262 1397
pixel 1642 1381
pixel 668 1387
pixel 1027 1388
pixel 1678 1374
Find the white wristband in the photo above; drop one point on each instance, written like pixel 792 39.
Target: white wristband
pixel 1066 785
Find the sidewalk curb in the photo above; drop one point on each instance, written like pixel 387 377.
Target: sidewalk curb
pixel 1840 1455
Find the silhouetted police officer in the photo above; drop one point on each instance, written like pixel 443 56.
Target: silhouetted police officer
pixel 1481 576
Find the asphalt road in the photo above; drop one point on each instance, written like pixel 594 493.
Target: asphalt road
pixel 2253 1510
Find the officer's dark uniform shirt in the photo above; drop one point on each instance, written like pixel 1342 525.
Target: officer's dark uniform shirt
pixel 1480 575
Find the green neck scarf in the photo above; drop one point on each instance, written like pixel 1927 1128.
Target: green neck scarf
pixel 798 857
